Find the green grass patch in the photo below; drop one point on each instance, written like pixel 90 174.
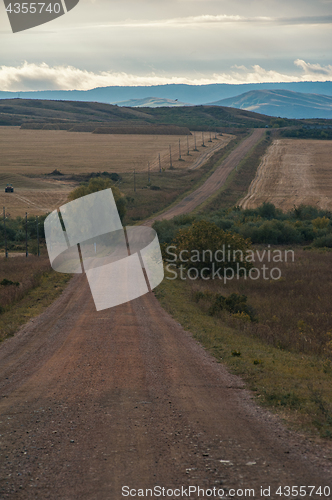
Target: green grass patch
pixel 295 385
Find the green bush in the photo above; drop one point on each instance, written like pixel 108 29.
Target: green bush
pixel 323 241
pixel 208 247
pixel 234 304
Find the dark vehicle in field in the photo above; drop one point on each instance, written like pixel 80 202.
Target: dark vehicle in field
pixel 9 188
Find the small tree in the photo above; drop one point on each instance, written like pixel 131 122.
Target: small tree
pixel 98 184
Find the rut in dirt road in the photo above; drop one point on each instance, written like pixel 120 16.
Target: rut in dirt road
pixel 94 401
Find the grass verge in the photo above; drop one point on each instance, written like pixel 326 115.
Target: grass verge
pixel 296 386
pixel 37 290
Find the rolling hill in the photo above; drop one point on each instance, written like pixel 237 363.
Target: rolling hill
pixel 284 103
pixel 89 116
pixel 152 102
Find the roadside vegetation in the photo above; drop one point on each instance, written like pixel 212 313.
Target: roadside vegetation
pixel 295 384
pixel 272 327
pixel 323 132
pixel 303 225
pixel 27 287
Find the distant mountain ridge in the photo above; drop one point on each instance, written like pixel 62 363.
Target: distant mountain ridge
pixel 195 94
pixel 283 103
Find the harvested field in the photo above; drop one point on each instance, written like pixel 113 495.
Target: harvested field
pixel 42 151
pixel 293 172
pixel 32 195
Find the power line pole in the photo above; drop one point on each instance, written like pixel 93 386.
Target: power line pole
pixel 26 234
pixel 195 149
pixel 187 146
pixel 135 181
pixel 4 227
pixel 170 157
pixel 203 140
pixel 159 164
pixel 148 172
pixel 38 253
pixel 180 149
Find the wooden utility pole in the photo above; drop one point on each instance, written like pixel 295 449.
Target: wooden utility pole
pixel 26 234
pixel 38 253
pixel 159 164
pixel 187 146
pixel 170 157
pixel 135 181
pixel 4 228
pixel 148 172
pixel 195 149
pixel 179 149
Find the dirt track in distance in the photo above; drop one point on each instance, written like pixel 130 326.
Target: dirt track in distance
pixel 214 181
pixel 293 172
pixel 91 402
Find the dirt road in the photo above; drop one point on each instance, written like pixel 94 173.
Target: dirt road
pixel 214 182
pixel 91 402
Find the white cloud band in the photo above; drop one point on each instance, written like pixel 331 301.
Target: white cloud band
pixel 30 76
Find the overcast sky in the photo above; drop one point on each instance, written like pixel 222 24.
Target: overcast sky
pixel 146 42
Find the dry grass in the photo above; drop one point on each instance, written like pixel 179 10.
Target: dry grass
pixel 26 272
pixel 293 172
pixel 38 287
pixel 296 385
pixel 294 312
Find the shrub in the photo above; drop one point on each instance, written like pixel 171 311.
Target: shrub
pixel 208 247
pixel 323 241
pixel 234 304
pixel 267 211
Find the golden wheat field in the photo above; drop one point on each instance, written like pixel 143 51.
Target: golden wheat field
pixel 293 172
pixel 28 155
